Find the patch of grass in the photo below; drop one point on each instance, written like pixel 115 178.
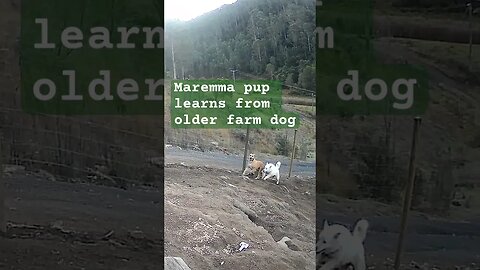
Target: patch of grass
pixel 448 53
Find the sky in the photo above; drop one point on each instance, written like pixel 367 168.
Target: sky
pixel 185 10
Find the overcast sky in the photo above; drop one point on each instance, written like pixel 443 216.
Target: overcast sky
pixel 188 9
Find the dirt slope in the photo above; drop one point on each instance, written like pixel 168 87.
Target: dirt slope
pixel 208 212
pixel 56 225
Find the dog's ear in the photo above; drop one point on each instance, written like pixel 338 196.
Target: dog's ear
pixel 325 224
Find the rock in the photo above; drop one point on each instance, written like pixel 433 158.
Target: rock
pixel 286 242
pixel 175 263
pixel 283 241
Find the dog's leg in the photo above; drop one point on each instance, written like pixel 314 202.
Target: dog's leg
pixel 258 174
pixel 278 178
pixel 359 263
pixel 248 170
pixel 268 176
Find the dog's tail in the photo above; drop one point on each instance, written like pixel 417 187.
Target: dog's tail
pixel 360 230
pixel 278 164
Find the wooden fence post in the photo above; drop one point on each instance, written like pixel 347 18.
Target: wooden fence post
pixel 470 27
pixel 3 227
pixel 408 193
pixel 246 150
pixel 293 152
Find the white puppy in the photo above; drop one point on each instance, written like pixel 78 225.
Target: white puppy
pixel 339 248
pixel 271 170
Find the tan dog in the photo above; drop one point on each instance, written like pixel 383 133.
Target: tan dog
pixel 255 167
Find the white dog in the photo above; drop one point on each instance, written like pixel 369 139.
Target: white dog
pixel 338 248
pixel 271 170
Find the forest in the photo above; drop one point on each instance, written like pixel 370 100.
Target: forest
pixel 271 39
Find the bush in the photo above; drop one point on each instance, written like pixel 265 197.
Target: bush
pixel 377 176
pixel 303 149
pixel 283 147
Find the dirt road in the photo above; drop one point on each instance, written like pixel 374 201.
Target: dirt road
pixel 233 161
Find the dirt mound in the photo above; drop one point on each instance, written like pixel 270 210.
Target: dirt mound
pixel 209 212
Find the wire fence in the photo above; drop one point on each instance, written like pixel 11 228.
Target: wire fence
pixel 232 141
pixel 369 159
pixel 118 151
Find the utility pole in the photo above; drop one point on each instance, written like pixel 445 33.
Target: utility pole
pixel 173 60
pixel 245 151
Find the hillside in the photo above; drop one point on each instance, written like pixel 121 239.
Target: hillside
pixel 261 40
pixel 368 156
pixel 273 39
